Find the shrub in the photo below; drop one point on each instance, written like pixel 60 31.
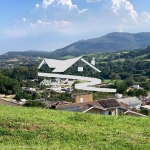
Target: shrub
pixel 32 103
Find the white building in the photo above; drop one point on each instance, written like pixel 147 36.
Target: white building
pixel 132 102
pixel 136 86
pixel 118 96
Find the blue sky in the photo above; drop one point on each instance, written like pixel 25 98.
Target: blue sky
pixel 52 24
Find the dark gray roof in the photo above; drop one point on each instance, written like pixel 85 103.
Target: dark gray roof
pixel 109 103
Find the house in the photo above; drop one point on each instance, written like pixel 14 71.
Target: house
pixel 102 107
pixel 82 97
pixel 118 96
pixel 132 102
pixel 29 90
pixel 136 86
pixel 146 107
pixel 123 108
pixel 132 113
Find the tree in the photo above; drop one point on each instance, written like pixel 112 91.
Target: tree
pixel 145 111
pixel 141 92
pixel 129 81
pixel 120 86
pixel 131 93
pixel 114 76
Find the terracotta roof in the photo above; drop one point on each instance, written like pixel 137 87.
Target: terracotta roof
pixel 124 105
pixel 5 102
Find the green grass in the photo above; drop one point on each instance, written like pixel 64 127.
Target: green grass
pixel 107 81
pixel 40 129
pixel 67 57
pixel 121 60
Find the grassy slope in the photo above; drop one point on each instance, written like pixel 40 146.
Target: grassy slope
pixel 39 129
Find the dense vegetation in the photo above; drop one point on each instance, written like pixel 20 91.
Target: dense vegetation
pixel 32 128
pixel 126 68
pixel 8 85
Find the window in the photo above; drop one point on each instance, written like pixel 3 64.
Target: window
pixel 80 69
pixel 81 100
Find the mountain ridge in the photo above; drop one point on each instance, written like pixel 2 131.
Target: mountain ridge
pixel 111 42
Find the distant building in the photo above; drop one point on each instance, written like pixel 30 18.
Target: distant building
pixel 136 86
pixel 82 97
pixel 132 113
pixel 29 90
pixel 118 96
pixel 132 102
pixel 146 107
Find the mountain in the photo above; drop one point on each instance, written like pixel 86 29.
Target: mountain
pixel 28 53
pixel 111 42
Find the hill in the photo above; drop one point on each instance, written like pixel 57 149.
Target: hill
pixel 28 53
pixel 111 42
pixel 33 128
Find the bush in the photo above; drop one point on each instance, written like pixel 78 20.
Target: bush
pixel 32 103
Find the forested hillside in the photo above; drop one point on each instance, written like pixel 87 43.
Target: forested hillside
pixel 109 43
pixel 129 67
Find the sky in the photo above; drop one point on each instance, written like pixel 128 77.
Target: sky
pixel 48 25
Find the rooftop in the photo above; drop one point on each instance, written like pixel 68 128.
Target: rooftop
pixel 5 102
pixel 101 104
pixel 146 106
pixel 129 100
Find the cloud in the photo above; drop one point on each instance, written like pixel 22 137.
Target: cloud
pixel 52 24
pixel 37 5
pixel 46 3
pixel 91 1
pixel 68 3
pixel 124 4
pixel 24 19
pixel 146 16
pixel 82 11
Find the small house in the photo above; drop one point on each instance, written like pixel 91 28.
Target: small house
pixel 132 113
pixel 118 96
pixel 136 86
pixel 102 107
pixel 82 97
pixel 132 102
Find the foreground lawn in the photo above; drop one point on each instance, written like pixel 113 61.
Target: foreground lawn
pixel 40 129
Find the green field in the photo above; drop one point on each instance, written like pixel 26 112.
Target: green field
pixel 40 129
